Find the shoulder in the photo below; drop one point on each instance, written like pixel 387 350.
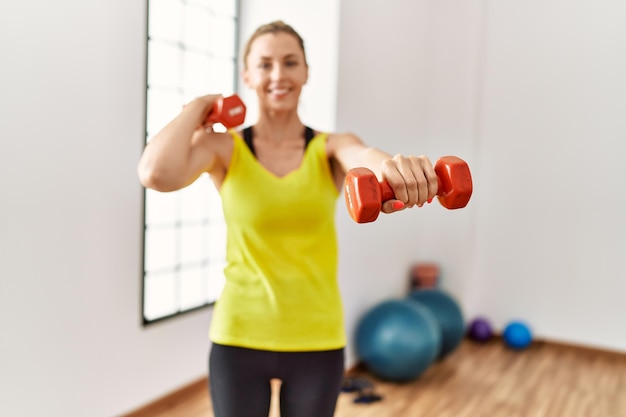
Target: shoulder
pixel 224 145
pixel 214 141
pixel 217 146
pixel 337 141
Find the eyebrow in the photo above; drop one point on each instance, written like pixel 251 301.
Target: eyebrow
pixel 288 56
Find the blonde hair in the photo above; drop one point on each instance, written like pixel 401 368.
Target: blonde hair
pixel 277 26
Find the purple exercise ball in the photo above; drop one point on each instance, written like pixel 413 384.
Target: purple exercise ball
pixel 480 330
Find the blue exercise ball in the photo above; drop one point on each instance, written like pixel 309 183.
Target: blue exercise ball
pixel 448 315
pixel 517 335
pixel 398 340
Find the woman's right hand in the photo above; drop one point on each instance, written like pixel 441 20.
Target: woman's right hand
pixel 203 106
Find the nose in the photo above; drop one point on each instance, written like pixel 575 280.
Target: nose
pixel 277 72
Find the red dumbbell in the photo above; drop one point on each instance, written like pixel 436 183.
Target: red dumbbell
pixel 365 194
pixel 229 111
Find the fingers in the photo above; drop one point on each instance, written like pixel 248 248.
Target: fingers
pixel 199 110
pixel 209 101
pixel 392 205
pixel 413 180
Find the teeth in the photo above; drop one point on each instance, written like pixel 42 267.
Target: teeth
pixel 279 91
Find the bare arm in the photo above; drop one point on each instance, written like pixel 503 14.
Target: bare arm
pixel 177 155
pixel 412 178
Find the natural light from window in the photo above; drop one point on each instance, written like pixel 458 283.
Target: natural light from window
pixel 192 51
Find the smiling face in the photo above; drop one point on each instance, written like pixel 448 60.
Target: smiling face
pixel 276 68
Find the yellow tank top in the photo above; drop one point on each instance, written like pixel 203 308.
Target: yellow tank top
pixel 281 290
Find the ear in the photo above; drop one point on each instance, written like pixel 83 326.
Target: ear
pixel 245 76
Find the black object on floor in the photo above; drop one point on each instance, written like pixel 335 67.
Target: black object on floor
pixel 353 384
pixel 363 387
pixel 367 397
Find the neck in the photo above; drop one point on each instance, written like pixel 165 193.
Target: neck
pixel 278 126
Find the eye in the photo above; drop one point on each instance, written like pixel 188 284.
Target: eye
pixel 291 63
pixel 264 65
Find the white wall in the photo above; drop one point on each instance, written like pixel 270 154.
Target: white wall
pixel 72 109
pixel 551 233
pixel 531 94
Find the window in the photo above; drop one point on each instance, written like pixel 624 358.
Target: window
pixel 192 50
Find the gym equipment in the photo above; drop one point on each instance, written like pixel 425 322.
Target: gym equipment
pixel 355 384
pixel 363 387
pixel 365 195
pixel 424 275
pixel 398 340
pixel 367 397
pixel 229 111
pixel 448 316
pixel 517 335
pixel 480 330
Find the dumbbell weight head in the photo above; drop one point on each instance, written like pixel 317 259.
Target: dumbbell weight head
pixel 229 111
pixel 364 194
pixel 455 182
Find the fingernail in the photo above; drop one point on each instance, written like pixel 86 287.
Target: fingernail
pixel 398 205
pixel 430 200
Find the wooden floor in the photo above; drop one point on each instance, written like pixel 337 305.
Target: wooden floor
pixel 489 380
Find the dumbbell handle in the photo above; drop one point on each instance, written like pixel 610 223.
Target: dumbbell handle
pixel 229 111
pixel 455 187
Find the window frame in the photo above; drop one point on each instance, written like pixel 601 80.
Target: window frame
pixel 180 311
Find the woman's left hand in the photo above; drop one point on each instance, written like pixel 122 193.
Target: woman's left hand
pixel 413 180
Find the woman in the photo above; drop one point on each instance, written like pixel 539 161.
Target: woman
pixel 280 313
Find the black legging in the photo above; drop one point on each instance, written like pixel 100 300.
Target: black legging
pixel 240 381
